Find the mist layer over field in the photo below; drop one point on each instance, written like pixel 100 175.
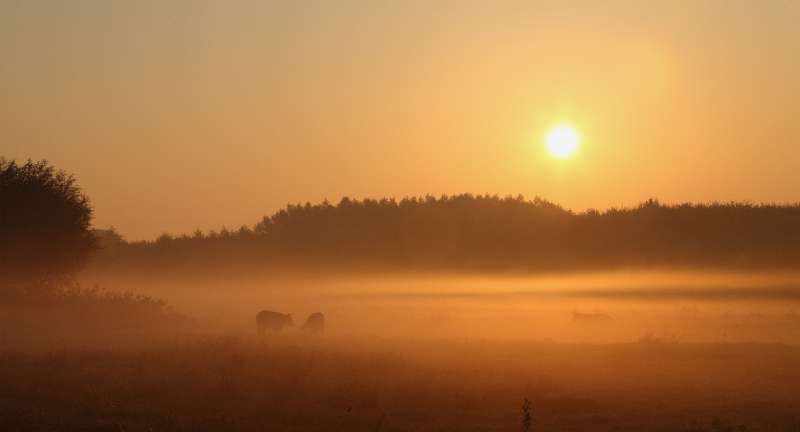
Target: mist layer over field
pixel 635 351
pixel 599 307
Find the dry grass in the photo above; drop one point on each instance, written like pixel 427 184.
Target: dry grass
pixel 304 385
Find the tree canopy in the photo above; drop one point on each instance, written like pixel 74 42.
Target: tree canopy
pixel 44 223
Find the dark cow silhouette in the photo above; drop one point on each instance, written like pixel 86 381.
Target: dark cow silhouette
pixel 315 323
pixel 274 321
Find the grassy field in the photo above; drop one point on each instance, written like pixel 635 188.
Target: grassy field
pixel 297 384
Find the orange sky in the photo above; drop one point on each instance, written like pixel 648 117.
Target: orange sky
pixel 179 115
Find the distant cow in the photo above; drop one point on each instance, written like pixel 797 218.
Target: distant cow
pixel 315 323
pixel 275 321
pixel 589 318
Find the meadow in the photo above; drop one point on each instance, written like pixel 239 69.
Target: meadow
pixel 297 384
pixel 427 353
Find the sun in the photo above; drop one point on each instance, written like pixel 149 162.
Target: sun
pixel 563 141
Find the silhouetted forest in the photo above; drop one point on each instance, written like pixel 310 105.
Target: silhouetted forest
pixel 476 233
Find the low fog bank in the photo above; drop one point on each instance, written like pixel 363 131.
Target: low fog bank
pixel 626 351
pixel 615 307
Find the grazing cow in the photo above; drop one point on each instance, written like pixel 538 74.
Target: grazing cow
pixel 315 323
pixel 591 318
pixel 274 321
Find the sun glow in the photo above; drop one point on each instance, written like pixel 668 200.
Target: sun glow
pixel 563 141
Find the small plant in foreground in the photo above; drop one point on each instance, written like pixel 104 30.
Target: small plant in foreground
pixel 527 415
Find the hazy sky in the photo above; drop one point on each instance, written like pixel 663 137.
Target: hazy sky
pixel 177 115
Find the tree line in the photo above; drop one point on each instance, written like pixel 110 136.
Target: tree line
pixel 477 233
pixel 45 236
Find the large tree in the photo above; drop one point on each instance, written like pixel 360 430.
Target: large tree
pixel 44 224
